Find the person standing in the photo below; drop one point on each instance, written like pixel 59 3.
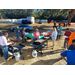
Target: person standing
pixel 54 36
pixel 64 24
pixel 55 26
pixel 17 32
pixel 1 53
pixel 4 44
pixel 67 33
pixel 36 35
pixel 69 24
pixel 23 35
pixel 72 46
pixel 69 54
pixel 71 37
pixel 59 31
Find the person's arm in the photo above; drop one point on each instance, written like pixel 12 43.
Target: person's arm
pixel 18 30
pixel 61 28
pixel 65 33
pixel 63 55
pixel 5 41
pixel 63 58
pixel 55 34
pixel 69 35
pixel 53 26
pixel 35 35
pixel 56 27
pixel 23 32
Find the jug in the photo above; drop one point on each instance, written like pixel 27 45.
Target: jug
pixel 17 56
pixel 34 53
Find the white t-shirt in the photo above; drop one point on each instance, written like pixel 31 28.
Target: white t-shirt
pixel 3 41
pixel 54 34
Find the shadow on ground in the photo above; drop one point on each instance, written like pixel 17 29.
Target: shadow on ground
pixel 46 62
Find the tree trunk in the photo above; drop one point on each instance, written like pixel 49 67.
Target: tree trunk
pixel 71 14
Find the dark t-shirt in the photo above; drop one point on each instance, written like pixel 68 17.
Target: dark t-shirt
pixel 17 30
pixel 71 47
pixel 67 34
pixel 55 27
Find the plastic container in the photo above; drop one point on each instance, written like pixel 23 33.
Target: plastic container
pixel 17 56
pixel 34 53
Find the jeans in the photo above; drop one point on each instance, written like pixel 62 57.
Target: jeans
pixel 1 52
pixel 5 49
pixel 58 36
pixel 17 34
pixel 34 39
pixel 54 39
pixel 66 44
pixel 23 39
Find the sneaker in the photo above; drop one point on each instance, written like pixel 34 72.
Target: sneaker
pixel 2 55
pixel 53 47
pixel 7 59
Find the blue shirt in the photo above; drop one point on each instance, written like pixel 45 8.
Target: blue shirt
pixel 70 55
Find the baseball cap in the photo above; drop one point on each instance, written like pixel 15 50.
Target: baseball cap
pixel 36 29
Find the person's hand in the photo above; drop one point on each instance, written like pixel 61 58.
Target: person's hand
pixel 35 37
pixel 18 31
pixel 13 43
pixel 8 39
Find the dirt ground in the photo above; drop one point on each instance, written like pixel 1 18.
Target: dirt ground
pixel 50 57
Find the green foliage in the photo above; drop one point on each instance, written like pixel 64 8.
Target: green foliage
pixel 50 14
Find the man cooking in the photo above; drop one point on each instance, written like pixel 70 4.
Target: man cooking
pixel 4 44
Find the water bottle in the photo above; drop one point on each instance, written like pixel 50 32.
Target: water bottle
pixel 34 53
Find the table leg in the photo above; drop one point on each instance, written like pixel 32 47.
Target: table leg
pixel 13 57
pixel 47 43
pixel 41 50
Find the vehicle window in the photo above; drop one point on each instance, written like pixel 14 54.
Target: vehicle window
pixel 23 26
